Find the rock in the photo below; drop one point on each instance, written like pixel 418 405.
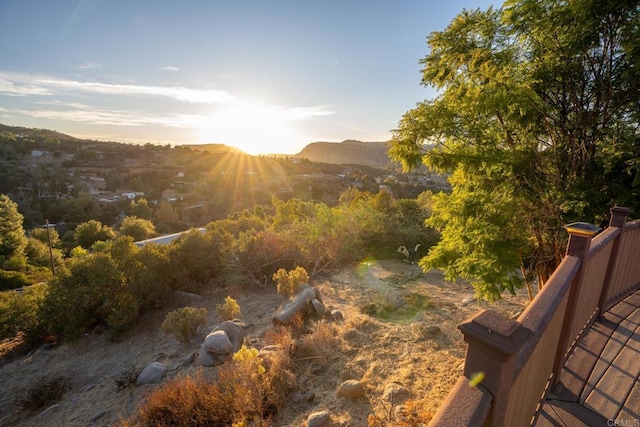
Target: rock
pixel 184 299
pixel 151 374
pixel 318 307
pixel 217 342
pixel 301 303
pixel 46 346
pixel 467 301
pixel 395 393
pixel 190 358
pixel 318 419
pixel 433 331
pixel 299 397
pixel 337 315
pixel 50 409
pixel 97 416
pixel 351 390
pixel 221 343
pixel 234 331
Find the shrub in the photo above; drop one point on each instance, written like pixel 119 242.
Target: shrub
pixel 12 280
pixel 229 310
pixel 44 393
pixel 245 393
pixel 123 310
pixel 182 402
pixel 20 312
pixel 184 322
pixel 80 293
pixel 288 283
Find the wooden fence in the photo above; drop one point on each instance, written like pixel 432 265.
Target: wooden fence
pixel 519 359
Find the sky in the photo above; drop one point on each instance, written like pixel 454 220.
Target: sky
pixel 264 76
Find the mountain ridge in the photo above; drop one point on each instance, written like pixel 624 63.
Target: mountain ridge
pixel 349 151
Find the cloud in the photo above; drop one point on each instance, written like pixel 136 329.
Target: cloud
pixel 303 113
pixel 169 68
pixel 27 84
pixel 114 117
pixel 18 87
pixel 89 65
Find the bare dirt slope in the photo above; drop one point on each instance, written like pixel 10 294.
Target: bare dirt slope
pixel 409 337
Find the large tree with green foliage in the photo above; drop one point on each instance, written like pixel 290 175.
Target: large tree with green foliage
pixel 537 122
pixel 12 237
pixel 138 228
pixel 87 233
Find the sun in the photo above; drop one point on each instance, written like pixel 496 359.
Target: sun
pixel 251 127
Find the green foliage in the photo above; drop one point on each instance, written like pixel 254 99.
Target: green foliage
pixel 121 310
pixel 44 234
pixel 82 295
pixel 258 254
pixel 87 233
pixel 38 254
pixel 229 310
pixel 184 322
pixel 395 306
pixel 288 283
pixel 79 252
pixel 138 228
pixel 12 280
pixel 196 258
pixel 533 133
pixel 166 213
pixel 140 209
pixel 12 238
pixel 20 312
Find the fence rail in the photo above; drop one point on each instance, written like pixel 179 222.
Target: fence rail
pixel 521 358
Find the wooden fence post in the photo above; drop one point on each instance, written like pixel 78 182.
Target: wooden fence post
pixel 618 219
pixel 580 235
pixel 493 342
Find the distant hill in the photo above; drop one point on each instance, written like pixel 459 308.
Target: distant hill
pixel 214 148
pixel 348 152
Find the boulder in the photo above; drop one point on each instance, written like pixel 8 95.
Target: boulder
pixel 234 331
pixel 220 344
pixel 183 299
pixel 152 373
pixel 395 393
pixel 301 303
pixel 319 307
pixel 351 390
pixel 318 419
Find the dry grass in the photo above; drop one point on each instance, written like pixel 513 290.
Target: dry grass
pixel 249 390
pixel 318 345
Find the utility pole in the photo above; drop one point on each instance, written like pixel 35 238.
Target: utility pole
pixel 53 268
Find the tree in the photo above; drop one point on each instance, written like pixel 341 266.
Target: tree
pixel 166 213
pixel 45 236
pixel 12 238
pixel 87 233
pixel 537 121
pixel 140 209
pixel 138 228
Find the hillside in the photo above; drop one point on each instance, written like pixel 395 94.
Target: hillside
pixel 348 152
pixel 383 341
